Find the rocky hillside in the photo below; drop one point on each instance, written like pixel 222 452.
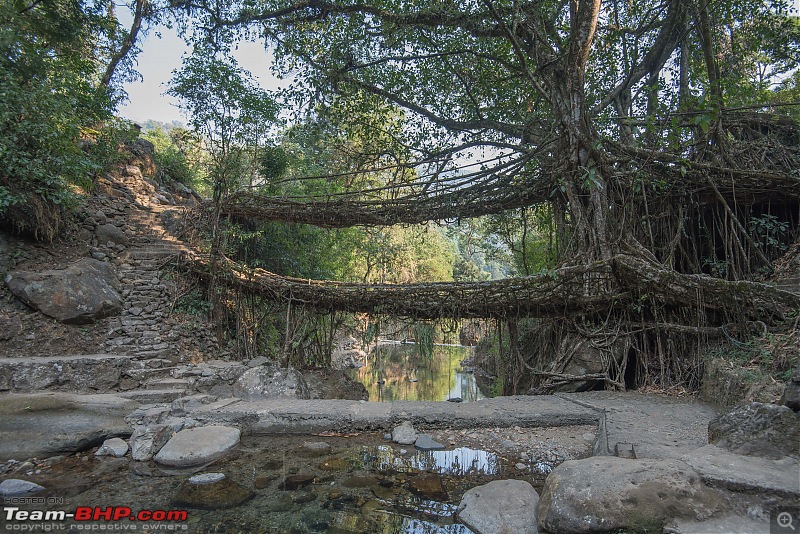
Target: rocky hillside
pixel 104 309
pixel 96 311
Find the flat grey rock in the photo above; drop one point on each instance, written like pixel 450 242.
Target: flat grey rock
pixel 404 434
pixel 91 373
pixel 206 478
pixel 290 416
pixel 674 426
pixel 757 429
pixel 116 447
pixel 317 446
pixel 499 507
pixel 198 446
pixel 728 524
pixel 14 487
pixel 46 424
pixel 268 382
pixel 426 443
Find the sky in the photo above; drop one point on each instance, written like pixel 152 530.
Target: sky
pixel 162 51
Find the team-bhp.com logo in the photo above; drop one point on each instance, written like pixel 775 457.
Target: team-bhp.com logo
pixel 115 514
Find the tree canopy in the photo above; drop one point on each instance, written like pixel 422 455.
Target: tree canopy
pixel 660 131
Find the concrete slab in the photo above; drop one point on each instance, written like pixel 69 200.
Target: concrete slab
pixel 282 416
pixel 729 524
pixel 656 426
pixel 721 468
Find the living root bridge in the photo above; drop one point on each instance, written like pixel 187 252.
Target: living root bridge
pixel 480 199
pixel 569 291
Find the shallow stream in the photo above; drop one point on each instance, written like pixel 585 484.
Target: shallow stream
pixel 359 483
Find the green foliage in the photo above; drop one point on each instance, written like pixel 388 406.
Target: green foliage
pixel 315 147
pixel 762 359
pixel 231 113
pixel 51 113
pixel 424 335
pixel 225 104
pixel 273 162
pixel 193 303
pixel 525 239
pixel 770 231
pixel 177 154
pixel 480 253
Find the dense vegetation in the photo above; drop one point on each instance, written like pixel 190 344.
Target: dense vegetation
pixel 638 159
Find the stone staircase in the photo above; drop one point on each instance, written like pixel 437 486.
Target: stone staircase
pixel 146 333
pixel 144 330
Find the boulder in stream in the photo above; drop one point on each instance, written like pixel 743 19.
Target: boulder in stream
pixel 605 494
pixel 198 446
pixel 500 506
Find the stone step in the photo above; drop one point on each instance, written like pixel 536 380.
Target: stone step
pixel 153 396
pixel 168 383
pixel 147 375
pixel 155 363
pixel 746 474
pixel 136 272
pixel 146 354
pixel 153 254
pixel 82 373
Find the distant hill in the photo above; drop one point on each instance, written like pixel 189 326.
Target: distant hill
pixel 151 124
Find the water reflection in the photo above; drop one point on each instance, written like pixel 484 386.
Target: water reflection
pixel 400 372
pixel 458 462
pixel 400 524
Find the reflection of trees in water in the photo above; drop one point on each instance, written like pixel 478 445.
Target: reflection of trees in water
pixel 438 377
pixel 400 524
pixel 458 462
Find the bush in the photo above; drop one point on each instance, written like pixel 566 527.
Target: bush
pixel 176 155
pixel 48 103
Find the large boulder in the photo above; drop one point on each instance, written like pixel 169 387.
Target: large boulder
pixel 211 493
pixel 198 446
pixel 83 292
pixel 500 507
pixel 604 494
pixel 404 433
pixel 109 232
pixel 727 385
pixel 756 429
pixel 14 487
pixel 268 382
pixel 86 373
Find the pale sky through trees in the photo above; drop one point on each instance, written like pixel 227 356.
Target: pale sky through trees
pixel 160 56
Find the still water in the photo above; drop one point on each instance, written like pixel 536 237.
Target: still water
pixel 400 372
pixel 359 485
